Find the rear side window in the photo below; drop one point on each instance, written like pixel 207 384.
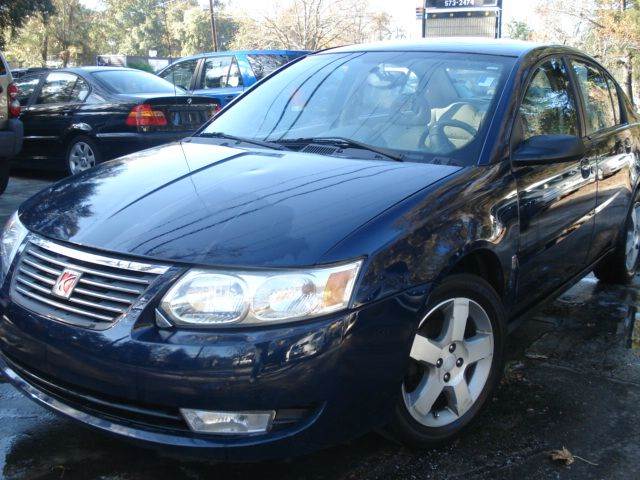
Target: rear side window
pixel 221 72
pixel 263 65
pixel 548 107
pixel 597 99
pixel 57 88
pixel 3 68
pixel 80 91
pixel 26 87
pixel 181 73
pixel 616 100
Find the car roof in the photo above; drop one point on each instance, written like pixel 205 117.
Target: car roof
pixel 502 47
pixel 242 52
pixel 93 69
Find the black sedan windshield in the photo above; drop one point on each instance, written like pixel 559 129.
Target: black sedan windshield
pixel 415 106
pixel 132 81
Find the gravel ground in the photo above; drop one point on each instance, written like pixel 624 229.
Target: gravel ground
pixel 572 380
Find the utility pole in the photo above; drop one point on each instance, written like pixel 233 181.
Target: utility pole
pixel 214 30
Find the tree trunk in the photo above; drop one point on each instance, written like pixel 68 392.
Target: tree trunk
pixel 629 76
pixel 44 48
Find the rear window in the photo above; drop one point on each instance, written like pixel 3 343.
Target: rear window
pixel 133 82
pixel 264 64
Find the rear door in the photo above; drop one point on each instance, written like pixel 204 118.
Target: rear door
pixel 610 145
pixel 181 74
pixel 220 79
pixel 49 115
pixel 556 200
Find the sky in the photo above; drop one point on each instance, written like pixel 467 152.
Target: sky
pixel 402 11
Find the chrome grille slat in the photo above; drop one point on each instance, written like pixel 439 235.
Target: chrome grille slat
pixel 62 306
pixel 91 293
pixel 42 267
pixel 110 287
pixel 40 278
pixel 107 289
pixel 87 270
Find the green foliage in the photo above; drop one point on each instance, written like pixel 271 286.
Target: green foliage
pixel 13 14
pixel 519 30
pixel 140 65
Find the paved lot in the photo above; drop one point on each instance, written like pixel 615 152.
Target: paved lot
pixel 573 379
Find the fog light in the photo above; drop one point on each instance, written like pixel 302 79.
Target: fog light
pixel 228 423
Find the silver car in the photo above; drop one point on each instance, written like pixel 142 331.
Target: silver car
pixel 11 131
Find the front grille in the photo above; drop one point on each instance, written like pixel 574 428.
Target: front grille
pixel 107 289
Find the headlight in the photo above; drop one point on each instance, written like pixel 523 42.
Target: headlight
pixel 210 298
pixel 12 236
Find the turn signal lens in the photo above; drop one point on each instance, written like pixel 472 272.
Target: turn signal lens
pixel 145 116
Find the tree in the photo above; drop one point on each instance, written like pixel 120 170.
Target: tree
pixel 14 13
pixel 519 30
pixel 313 25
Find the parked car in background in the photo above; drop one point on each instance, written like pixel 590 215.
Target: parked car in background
pixel 344 248
pixel 18 73
pixel 225 75
pixel 75 118
pixel 10 126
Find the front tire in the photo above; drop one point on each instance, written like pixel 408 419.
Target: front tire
pixel 619 267
pixel 82 154
pixel 455 363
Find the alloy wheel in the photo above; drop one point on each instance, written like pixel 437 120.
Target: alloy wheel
pixel 81 158
pixel 632 246
pixel 451 358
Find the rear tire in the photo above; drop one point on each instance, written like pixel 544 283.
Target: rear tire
pixel 82 154
pixel 619 267
pixel 455 364
pixel 4 174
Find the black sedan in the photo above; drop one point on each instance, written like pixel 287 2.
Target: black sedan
pixel 76 118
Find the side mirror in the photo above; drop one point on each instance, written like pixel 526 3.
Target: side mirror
pixel 549 149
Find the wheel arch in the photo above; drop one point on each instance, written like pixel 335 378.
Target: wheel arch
pixel 483 262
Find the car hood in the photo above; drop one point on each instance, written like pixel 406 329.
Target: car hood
pixel 200 203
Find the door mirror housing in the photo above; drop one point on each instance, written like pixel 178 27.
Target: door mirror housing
pixel 543 149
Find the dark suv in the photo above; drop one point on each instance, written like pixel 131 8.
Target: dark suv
pixel 10 127
pixel 345 247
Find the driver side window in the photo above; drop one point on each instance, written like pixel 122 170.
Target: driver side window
pixel 548 107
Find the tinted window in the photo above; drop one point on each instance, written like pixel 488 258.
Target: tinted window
pixel 263 65
pixel 595 91
pixel 548 107
pixel 181 73
pixel 134 81
pixel 221 72
pixel 57 88
pixel 26 87
pixel 404 101
pixel 615 99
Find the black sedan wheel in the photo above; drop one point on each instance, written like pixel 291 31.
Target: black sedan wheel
pixel 82 154
pixel 455 362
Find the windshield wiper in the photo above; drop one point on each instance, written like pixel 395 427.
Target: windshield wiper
pixel 273 145
pixel 348 142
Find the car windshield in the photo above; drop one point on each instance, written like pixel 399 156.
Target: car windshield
pixel 418 106
pixel 133 81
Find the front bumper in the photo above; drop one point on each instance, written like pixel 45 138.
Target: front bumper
pixel 328 380
pixel 11 139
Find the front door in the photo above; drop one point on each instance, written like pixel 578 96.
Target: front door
pixel 47 118
pixel 610 144
pixel 556 199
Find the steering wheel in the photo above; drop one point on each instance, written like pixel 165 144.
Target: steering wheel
pixel 438 132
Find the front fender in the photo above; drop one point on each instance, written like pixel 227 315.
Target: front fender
pixel 419 241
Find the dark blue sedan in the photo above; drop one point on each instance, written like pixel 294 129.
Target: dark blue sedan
pixel 343 248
